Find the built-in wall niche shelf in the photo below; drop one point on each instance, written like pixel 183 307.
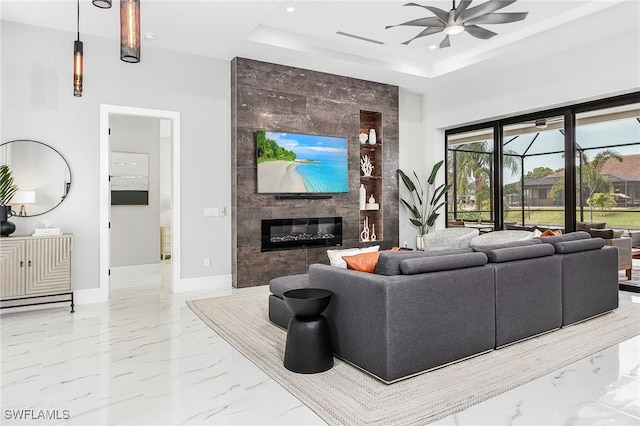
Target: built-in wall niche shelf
pixel 371 228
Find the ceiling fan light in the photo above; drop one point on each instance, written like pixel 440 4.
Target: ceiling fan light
pixel 453 29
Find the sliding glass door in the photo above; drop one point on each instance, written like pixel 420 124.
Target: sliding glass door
pixel 533 173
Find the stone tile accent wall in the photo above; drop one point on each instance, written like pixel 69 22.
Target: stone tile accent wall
pixel 266 96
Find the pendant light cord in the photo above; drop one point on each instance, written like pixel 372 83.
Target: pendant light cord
pixel 78 21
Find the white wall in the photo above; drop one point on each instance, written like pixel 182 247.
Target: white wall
pixel 165 172
pixel 412 154
pixel 135 230
pixel 38 103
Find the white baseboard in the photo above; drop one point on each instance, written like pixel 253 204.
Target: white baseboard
pixel 215 282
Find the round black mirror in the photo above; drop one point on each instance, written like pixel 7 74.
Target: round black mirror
pixel 41 173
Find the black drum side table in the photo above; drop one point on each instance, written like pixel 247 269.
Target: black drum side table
pixel 308 348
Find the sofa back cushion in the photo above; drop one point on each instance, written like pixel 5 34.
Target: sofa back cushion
pixel 571 236
pixel 509 254
pixel 421 265
pixel 499 237
pixel 520 243
pixel 389 261
pixel 565 247
pixel 601 233
pixel 585 226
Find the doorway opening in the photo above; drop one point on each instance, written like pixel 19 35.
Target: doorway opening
pixel 171 121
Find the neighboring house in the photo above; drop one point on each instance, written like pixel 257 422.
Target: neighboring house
pixel 625 177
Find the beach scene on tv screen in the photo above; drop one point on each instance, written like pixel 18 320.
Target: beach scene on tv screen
pixel 298 163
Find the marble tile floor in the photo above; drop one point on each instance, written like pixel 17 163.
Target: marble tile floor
pixel 145 359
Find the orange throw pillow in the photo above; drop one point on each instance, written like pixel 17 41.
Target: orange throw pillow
pixel 365 262
pixel 551 233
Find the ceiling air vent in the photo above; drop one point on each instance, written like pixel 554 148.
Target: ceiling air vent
pixel 359 37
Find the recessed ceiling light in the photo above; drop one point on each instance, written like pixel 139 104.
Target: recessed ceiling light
pixel 149 36
pixel 291 9
pixel 433 46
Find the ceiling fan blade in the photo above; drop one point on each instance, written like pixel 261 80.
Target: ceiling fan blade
pixel 422 22
pixel 426 32
pixel 485 8
pixel 479 32
pixel 461 8
pixel 445 42
pixel 498 18
pixel 441 14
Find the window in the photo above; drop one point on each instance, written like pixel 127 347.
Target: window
pixel 515 170
pixel 470 174
pixel 608 166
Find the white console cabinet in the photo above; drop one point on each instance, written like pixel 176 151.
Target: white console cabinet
pixel 35 270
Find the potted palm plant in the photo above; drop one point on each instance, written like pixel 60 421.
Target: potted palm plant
pixel 425 201
pixel 7 191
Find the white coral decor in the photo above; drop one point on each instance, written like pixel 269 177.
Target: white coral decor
pixel 365 165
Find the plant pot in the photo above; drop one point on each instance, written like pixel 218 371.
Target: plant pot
pixel 6 227
pixel 420 242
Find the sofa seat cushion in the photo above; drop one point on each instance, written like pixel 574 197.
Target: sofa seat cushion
pixel 420 265
pixel 509 254
pixel 579 245
pixel 279 285
pixel 389 261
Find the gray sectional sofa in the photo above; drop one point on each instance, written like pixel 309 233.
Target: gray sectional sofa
pixel 423 310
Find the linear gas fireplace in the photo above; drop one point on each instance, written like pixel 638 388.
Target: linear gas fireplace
pixel 288 234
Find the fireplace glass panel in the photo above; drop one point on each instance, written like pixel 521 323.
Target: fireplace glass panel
pixel 288 234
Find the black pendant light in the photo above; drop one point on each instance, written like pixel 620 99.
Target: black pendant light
pixel 77 61
pixel 102 4
pixel 130 30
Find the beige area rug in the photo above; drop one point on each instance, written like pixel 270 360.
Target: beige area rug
pixel 345 395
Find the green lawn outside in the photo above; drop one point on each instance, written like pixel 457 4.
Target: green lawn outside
pixel 615 218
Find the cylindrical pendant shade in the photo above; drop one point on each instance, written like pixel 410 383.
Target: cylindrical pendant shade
pixel 77 68
pixel 130 30
pixel 102 4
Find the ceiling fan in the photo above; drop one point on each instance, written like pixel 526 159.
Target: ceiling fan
pixel 460 19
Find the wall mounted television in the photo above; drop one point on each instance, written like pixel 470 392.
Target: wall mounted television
pixel 294 163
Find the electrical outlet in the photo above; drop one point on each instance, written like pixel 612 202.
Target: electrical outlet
pixel 207 261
